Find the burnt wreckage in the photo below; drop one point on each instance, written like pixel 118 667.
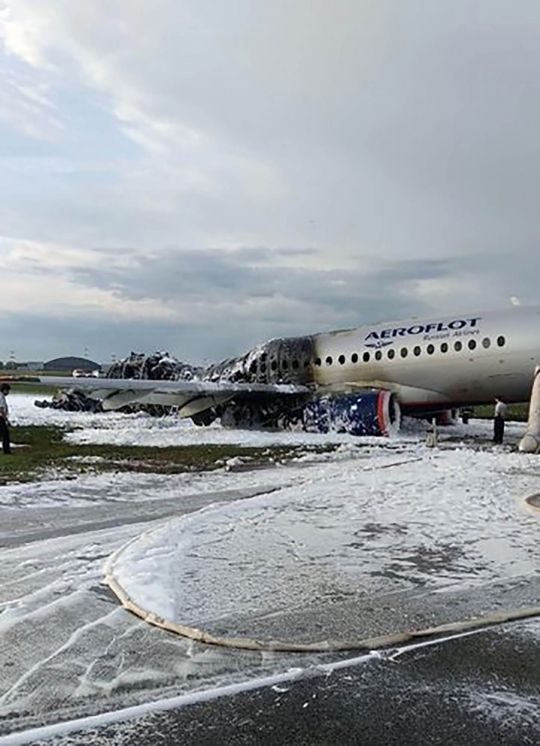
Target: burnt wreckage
pixel 278 361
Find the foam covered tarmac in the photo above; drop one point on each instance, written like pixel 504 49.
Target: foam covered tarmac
pixel 72 658
pixel 341 561
pixel 480 689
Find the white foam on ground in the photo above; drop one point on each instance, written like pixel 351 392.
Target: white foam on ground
pixel 76 661
pixel 207 695
pixel 115 428
pixel 436 519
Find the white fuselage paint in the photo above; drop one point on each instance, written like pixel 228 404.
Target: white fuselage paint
pixel 498 356
pixel 435 376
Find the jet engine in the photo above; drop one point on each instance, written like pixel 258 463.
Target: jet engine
pixel 366 412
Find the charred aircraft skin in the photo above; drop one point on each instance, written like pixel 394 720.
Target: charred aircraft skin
pixel 284 360
pixel 430 365
pixel 279 361
pixel 157 367
pixel 422 366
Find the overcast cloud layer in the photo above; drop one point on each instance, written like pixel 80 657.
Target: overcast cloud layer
pixel 200 175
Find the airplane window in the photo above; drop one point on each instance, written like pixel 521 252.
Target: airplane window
pixel 329 360
pixel 253 367
pixel 444 347
pixel 472 344
pixel 262 368
pixel 365 357
pixel 404 352
pixel 354 358
pixel 342 359
pixel 486 342
pixel 378 355
pixel 306 363
pixel 273 365
pixel 391 354
pixel 417 351
pixel 284 364
pixel 458 346
pixel 318 361
pixel 295 364
pixel 501 341
pixel 430 349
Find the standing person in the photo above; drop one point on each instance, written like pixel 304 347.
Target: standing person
pixel 5 388
pixel 498 421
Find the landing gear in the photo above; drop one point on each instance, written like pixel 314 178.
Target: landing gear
pixel 465 415
pixel 204 418
pixel 530 443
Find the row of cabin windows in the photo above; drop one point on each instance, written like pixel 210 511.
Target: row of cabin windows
pixel 458 346
pixel 295 365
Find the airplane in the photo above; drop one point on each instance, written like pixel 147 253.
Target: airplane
pixel 358 381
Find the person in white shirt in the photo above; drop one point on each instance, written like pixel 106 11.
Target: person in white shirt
pixel 498 421
pixel 5 388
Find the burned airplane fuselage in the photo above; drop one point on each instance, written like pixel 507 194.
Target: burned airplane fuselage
pixel 284 361
pixel 262 400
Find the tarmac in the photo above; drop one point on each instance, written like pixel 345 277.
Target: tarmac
pixel 77 668
pixel 481 688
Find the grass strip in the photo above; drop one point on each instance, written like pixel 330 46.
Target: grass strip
pixel 41 452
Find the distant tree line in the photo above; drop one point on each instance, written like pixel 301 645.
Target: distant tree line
pixel 10 365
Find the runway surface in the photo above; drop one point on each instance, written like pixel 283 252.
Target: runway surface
pixel 68 651
pixel 480 689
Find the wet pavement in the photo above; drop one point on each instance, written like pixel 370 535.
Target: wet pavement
pixel 427 535
pixel 67 648
pixel 481 689
pixel 346 557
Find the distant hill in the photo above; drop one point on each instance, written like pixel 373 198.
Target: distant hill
pixel 72 363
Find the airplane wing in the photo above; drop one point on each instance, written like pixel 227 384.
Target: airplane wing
pixel 190 397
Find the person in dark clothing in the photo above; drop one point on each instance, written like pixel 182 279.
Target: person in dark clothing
pixel 498 421
pixel 5 388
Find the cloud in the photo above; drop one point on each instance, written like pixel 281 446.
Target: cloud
pixel 25 104
pixel 268 168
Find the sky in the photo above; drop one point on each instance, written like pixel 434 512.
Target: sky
pixel 198 176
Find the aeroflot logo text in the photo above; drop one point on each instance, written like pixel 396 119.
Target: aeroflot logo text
pixel 433 330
